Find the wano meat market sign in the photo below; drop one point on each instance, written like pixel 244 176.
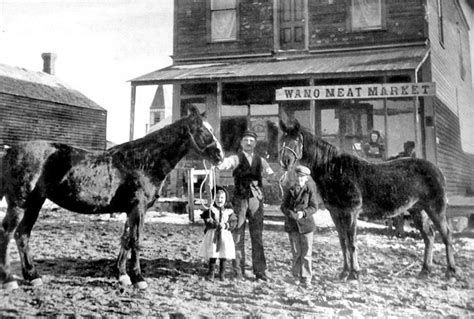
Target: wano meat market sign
pixel 365 91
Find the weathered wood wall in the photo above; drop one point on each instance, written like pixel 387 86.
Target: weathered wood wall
pixel 456 165
pixel 28 119
pixel 328 27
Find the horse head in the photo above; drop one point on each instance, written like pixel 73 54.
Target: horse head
pixel 291 145
pixel 203 140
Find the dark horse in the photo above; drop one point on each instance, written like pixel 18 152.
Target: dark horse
pixel 124 178
pixel 349 185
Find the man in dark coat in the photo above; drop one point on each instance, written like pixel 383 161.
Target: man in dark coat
pixel 248 170
pixel 299 205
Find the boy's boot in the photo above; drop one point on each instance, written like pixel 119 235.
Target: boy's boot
pixel 212 269
pixel 222 270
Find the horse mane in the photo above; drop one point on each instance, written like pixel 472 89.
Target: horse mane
pixel 158 151
pixel 317 151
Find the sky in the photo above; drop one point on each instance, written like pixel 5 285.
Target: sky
pixel 100 46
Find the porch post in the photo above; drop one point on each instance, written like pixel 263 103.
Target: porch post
pixel 132 110
pixel 416 101
pixel 387 140
pixel 312 110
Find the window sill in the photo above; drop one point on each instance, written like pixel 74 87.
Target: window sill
pixel 368 30
pixel 222 41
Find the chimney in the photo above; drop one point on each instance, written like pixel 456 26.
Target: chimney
pixel 48 62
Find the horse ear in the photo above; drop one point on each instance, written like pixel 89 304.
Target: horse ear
pixel 193 109
pixel 297 125
pixel 283 126
pixel 204 114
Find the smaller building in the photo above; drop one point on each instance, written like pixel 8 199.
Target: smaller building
pixel 38 105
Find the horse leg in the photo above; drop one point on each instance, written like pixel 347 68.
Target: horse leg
pixel 22 237
pixel 9 224
pixel 138 219
pixel 130 241
pixel 422 222
pixel 438 216
pixel 342 240
pixel 123 277
pixel 350 225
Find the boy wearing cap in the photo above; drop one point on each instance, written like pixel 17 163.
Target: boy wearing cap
pixel 299 204
pixel 248 170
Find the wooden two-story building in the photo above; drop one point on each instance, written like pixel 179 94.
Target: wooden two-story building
pixel 231 56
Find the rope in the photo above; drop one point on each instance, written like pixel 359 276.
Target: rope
pixel 213 196
pixel 281 181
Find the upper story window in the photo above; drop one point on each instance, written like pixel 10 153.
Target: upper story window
pixel 440 21
pixel 223 20
pixel 367 14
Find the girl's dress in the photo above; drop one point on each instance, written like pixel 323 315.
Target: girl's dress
pixel 218 242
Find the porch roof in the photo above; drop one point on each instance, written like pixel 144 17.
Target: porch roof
pixel 352 63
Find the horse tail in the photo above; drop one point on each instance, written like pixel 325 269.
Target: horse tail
pixel 436 181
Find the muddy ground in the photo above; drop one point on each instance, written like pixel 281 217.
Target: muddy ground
pixel 76 256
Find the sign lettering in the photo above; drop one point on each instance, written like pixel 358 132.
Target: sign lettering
pixel 363 91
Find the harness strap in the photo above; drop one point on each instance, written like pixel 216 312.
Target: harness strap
pixel 197 147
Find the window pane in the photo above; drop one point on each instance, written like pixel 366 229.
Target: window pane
pixel 222 4
pixel 401 125
pixel 223 25
pixel 375 146
pixel 366 14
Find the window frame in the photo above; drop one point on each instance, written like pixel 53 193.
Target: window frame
pixel 209 22
pixel 439 4
pixel 462 69
pixel 350 19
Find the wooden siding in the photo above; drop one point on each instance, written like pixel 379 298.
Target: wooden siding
pixel 456 165
pixel 454 91
pixel 328 28
pixel 254 36
pixel 23 119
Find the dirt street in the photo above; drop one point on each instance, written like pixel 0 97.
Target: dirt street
pixel 76 256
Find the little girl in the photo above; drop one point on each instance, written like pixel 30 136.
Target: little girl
pixel 218 242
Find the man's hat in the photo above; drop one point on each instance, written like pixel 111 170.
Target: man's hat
pixel 250 133
pixel 302 170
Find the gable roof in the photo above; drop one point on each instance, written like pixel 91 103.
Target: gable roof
pixel 41 86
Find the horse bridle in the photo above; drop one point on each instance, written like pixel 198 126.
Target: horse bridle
pixel 197 147
pixel 298 155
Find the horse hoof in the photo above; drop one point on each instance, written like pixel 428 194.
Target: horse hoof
pixel 141 285
pixel 36 282
pixel 452 273
pixel 125 280
pixel 343 276
pixel 11 285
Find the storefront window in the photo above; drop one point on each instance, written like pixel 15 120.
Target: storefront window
pixel 374 146
pixel 296 110
pixel 366 128
pixel 401 125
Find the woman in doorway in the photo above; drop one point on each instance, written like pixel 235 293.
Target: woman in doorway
pixel 374 149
